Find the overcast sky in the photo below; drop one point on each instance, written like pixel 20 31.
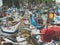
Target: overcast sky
pixel 57 0
pixel 1 3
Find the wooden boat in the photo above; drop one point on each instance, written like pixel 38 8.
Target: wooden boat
pixel 10 30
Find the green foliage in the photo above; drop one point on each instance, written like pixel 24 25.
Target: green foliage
pixel 10 2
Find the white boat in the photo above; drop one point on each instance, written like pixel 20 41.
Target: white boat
pixel 9 31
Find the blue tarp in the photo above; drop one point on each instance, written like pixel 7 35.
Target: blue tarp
pixel 32 22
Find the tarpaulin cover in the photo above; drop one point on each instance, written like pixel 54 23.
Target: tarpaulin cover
pixel 32 21
pixel 50 33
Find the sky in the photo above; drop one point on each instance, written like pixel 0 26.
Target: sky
pixel 57 0
pixel 1 3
